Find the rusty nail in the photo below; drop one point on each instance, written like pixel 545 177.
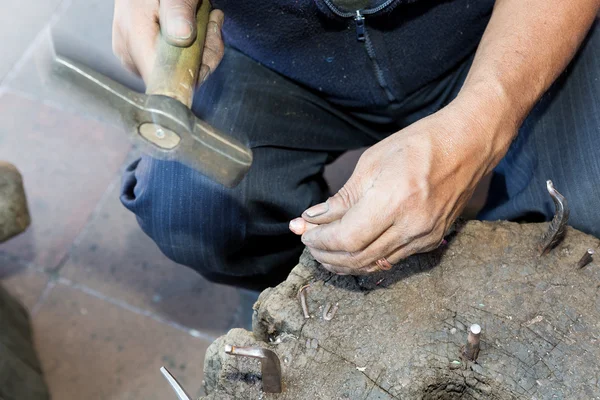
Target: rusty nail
pixel 270 365
pixel 329 312
pixel 471 350
pixel 302 298
pixel 586 259
pixel 558 225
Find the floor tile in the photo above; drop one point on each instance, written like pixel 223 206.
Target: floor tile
pixel 72 37
pixel 67 162
pixel 91 349
pixel 20 22
pixel 116 258
pixel 25 284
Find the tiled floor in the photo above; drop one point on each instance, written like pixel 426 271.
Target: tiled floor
pixel 108 309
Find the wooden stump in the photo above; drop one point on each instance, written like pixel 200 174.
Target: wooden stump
pixel 398 335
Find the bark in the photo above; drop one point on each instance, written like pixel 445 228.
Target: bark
pixel 399 334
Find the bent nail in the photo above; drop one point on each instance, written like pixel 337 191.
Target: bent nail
pixel 270 365
pixel 558 226
pixel 302 298
pixel 329 312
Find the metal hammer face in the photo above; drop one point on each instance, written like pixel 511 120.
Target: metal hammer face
pixel 161 121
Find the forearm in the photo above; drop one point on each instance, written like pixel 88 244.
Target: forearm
pixel 526 45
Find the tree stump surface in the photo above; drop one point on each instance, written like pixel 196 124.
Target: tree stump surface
pixel 398 334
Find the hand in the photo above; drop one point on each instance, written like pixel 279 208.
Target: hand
pixel 405 192
pixel 136 26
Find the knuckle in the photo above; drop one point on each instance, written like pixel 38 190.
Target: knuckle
pixel 345 196
pixel 353 245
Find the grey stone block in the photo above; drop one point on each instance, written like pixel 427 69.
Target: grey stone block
pixel 14 214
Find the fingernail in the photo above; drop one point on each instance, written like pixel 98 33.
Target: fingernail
pixel 297 226
pixel 317 210
pixel 179 28
pixel 204 73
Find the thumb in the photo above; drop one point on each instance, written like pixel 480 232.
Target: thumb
pixel 333 209
pixel 178 21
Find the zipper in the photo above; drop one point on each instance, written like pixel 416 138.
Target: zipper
pixel 363 36
pixel 368 11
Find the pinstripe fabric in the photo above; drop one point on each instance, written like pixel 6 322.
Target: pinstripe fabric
pixel 558 141
pixel 240 236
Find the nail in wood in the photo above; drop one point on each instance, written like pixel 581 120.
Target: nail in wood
pixel 471 349
pixel 302 299
pixel 586 259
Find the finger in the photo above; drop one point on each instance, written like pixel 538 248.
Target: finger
pixel 357 229
pixel 337 269
pixel 333 209
pixel 178 21
pixel 140 43
pixel 389 242
pixel 120 50
pixel 214 48
pixel 299 226
pixel 417 246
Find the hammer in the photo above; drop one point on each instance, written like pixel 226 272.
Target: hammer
pixel 161 121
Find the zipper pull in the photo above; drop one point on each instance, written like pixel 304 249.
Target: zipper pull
pixel 360 26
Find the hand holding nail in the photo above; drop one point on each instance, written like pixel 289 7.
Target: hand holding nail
pixel 403 196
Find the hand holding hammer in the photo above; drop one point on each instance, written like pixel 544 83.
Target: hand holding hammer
pixel 171 58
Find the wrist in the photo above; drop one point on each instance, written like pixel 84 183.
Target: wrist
pixel 491 120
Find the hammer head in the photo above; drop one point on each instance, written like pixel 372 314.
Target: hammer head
pixel 164 127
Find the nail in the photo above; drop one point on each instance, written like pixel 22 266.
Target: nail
pixel 179 28
pixel 270 366
pixel 471 350
pixel 586 259
pixel 317 210
pixel 302 298
pixel 297 226
pixel 175 385
pixel 558 226
pixel 329 312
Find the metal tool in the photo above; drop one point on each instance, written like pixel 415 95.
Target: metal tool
pixel 269 363
pixel 179 391
pixel 558 226
pixel 161 120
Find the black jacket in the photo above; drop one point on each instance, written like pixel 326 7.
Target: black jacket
pixel 402 46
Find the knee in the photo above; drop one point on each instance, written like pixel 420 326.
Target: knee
pixel 194 221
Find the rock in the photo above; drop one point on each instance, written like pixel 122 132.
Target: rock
pixel 400 338
pixel 20 370
pixel 14 215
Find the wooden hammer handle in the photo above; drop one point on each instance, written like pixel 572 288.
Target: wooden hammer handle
pixel 176 69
